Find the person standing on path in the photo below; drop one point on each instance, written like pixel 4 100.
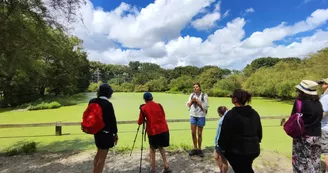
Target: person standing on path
pixel 197 104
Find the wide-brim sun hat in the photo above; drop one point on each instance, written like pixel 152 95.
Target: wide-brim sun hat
pixel 322 81
pixel 308 87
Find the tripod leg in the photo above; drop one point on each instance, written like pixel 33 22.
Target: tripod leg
pixel 143 131
pixel 135 138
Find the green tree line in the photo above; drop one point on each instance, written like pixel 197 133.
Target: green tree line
pixel 266 76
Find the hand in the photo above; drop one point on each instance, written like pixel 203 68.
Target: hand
pixel 115 139
pixel 194 100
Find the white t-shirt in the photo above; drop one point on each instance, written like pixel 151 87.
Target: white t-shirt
pixel 195 110
pixel 324 102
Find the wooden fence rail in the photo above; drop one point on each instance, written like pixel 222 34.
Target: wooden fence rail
pixel 58 125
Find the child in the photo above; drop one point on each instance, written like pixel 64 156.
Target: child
pixel 218 156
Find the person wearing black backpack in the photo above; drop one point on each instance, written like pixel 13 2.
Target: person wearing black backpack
pixel 107 137
pixel 198 105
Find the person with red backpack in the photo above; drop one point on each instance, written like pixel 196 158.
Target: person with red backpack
pixel 306 148
pixel 156 128
pixel 99 119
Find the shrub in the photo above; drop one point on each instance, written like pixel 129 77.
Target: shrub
pixel 93 87
pixel 27 148
pixel 43 105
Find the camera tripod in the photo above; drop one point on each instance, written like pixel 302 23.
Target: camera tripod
pixel 143 137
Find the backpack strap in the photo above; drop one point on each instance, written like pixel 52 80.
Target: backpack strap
pixel 298 106
pixel 202 96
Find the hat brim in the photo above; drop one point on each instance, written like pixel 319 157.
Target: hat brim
pixel 313 93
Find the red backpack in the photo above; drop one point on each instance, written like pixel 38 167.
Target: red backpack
pixel 92 120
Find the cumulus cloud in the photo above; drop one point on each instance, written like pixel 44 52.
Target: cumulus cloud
pixel 208 20
pixel 152 34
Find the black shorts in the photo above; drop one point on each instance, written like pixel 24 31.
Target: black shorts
pixel 159 140
pixel 104 140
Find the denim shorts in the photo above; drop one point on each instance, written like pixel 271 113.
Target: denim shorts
pixel 199 121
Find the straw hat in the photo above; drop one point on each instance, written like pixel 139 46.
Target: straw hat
pixel 308 87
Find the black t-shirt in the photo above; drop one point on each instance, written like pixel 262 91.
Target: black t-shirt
pixel 108 114
pixel 312 115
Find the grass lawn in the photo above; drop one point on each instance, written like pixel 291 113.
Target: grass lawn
pixel 127 108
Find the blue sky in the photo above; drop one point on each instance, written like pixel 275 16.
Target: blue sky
pixel 227 33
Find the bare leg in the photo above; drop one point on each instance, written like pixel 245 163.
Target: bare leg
pixel 200 137
pixel 162 150
pixel 95 161
pixel 100 161
pixel 217 159
pixel 193 134
pixel 152 158
pixel 224 164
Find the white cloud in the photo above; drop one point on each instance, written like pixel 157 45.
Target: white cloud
pixel 208 20
pixel 249 10
pixel 268 35
pixel 154 34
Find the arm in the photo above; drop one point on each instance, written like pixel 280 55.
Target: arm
pixel 259 130
pixel 141 117
pixel 324 103
pixel 112 120
pixel 189 102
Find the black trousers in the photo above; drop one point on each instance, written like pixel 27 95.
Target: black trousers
pixel 241 163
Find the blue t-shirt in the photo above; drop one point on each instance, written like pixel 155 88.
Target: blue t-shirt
pixel 218 130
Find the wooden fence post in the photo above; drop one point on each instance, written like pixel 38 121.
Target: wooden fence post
pixel 58 129
pixel 282 122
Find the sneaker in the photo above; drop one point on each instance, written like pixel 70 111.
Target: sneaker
pixel 193 152
pixel 200 153
pixel 167 170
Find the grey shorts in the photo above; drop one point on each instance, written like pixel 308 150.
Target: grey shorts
pixel 324 142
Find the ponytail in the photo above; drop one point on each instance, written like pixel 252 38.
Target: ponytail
pixel 242 96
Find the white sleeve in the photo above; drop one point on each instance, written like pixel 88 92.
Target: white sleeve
pixel 324 102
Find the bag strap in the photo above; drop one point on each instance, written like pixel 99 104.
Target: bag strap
pixel 298 106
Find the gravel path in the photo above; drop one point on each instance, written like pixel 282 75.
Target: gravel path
pixel 81 162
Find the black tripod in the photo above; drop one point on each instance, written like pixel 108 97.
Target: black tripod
pixel 143 136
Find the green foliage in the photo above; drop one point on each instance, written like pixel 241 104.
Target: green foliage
pixel 141 88
pixel 35 56
pixel 43 105
pixel 93 87
pixel 182 83
pixel 27 148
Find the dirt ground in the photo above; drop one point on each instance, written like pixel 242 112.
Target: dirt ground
pixel 81 162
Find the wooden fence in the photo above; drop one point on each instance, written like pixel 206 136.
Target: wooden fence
pixel 58 125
